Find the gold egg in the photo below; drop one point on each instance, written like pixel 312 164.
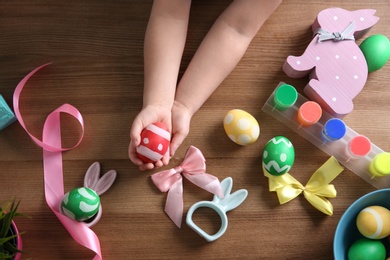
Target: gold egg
pixel 374 222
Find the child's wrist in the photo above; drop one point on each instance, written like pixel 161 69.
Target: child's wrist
pixel 158 104
pixel 184 108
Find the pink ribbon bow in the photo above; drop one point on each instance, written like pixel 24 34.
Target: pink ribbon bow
pixel 193 168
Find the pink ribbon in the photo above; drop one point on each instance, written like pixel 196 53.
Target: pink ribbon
pixel 52 162
pixel 193 168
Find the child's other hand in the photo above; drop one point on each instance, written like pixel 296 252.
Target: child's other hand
pixel 147 116
pixel 181 117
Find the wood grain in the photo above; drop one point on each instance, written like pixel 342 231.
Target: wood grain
pixel 97 52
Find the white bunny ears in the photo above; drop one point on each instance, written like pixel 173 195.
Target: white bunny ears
pixel 98 185
pixel 221 206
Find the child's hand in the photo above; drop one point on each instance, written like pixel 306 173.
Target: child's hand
pixel 147 116
pixel 181 117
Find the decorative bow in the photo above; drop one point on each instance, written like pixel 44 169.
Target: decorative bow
pixel 324 35
pixel 316 190
pixel 193 168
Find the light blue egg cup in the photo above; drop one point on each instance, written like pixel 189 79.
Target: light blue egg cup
pixel 229 202
pixel 346 232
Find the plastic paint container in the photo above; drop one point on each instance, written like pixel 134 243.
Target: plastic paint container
pixel 309 113
pixel 334 129
pixel 359 146
pixel 380 165
pixel 285 97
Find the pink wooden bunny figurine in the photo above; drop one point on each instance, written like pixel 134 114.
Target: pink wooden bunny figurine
pixel 337 67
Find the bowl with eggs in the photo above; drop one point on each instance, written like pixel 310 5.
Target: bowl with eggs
pixel 364 228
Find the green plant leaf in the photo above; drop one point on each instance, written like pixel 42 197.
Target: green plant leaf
pixel 7 213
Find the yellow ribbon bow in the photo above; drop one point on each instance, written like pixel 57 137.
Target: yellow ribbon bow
pixel 316 190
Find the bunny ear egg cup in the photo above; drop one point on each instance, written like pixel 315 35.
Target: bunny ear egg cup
pixel 83 204
pixel 219 205
pixel 155 140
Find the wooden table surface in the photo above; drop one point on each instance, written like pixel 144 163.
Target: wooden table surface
pixel 97 52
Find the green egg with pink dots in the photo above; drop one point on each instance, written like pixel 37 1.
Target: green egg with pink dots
pixel 278 156
pixel 80 204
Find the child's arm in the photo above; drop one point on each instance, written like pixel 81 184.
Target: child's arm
pixel 218 54
pixel 163 48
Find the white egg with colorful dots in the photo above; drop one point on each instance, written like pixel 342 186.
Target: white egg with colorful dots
pixel 241 127
pixel 278 156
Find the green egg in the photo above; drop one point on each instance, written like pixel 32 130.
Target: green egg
pixel 278 156
pixel 376 50
pixel 80 204
pixel 367 249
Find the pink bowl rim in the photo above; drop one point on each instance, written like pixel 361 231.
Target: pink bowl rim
pixel 19 242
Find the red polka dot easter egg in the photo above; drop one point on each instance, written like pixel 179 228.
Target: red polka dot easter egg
pixel 155 140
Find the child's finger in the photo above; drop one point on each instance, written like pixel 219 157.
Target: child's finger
pixel 177 140
pixel 166 157
pixel 132 152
